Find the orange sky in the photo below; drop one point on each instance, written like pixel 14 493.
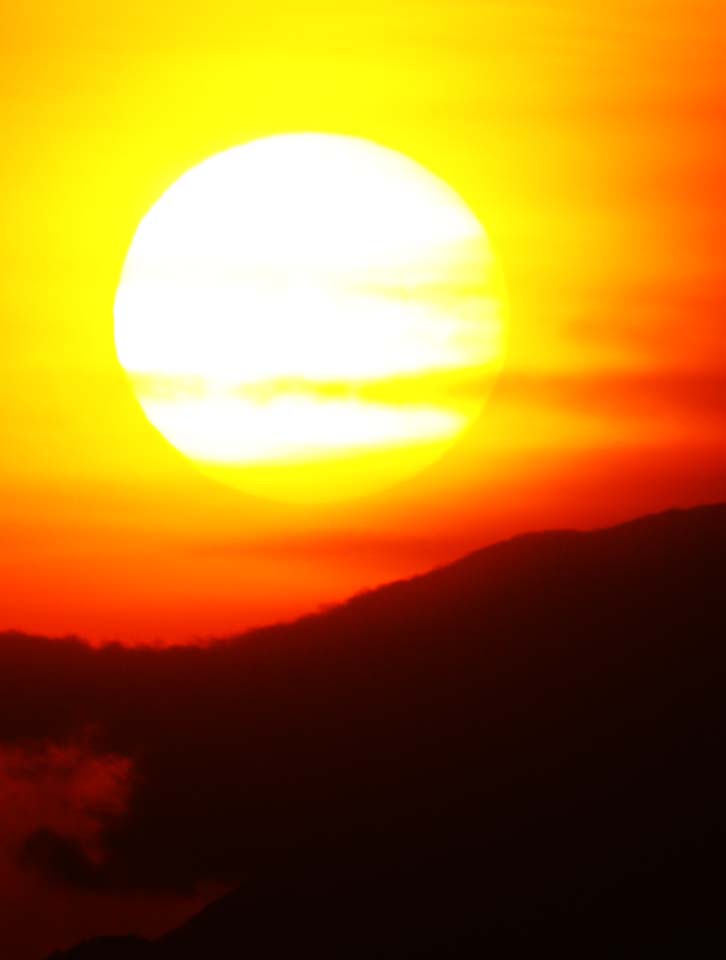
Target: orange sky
pixel 587 137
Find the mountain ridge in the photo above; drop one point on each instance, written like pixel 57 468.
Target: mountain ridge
pixel 516 751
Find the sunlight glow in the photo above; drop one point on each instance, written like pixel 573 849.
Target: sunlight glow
pixel 309 301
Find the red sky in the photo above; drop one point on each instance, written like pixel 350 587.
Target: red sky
pixel 587 138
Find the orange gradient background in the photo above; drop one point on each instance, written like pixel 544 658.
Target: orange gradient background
pixel 588 139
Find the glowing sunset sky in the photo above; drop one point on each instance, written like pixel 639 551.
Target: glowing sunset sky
pixel 586 137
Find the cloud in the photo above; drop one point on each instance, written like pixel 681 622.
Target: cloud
pixel 61 788
pixel 56 798
pixel 697 396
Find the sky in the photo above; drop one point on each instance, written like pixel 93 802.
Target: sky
pixel 587 138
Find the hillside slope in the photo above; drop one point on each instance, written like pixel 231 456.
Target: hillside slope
pixel 519 752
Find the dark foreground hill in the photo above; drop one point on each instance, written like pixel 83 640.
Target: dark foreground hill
pixel 518 755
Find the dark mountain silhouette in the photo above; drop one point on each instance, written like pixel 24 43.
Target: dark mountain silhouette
pixel 519 754
pixel 108 948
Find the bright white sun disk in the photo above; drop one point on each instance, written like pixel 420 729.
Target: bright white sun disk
pixel 314 303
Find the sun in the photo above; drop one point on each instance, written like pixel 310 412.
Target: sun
pixel 310 317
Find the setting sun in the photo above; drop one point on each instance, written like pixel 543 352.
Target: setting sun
pixel 310 317
pixel 362 479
